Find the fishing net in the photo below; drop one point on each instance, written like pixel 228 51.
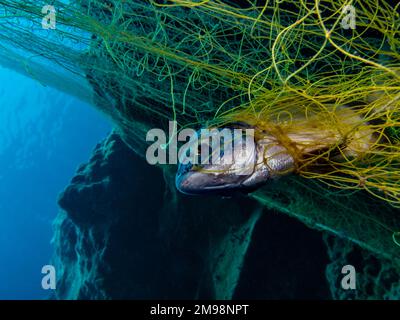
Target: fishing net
pixel 212 62
pixel 377 279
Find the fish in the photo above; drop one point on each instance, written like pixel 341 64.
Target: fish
pixel 270 158
pixel 249 169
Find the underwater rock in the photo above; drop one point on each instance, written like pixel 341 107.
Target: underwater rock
pixel 123 233
pixel 285 260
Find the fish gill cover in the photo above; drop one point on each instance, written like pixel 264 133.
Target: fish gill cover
pixel 267 63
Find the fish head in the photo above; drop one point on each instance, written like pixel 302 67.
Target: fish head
pixel 244 167
pixel 224 160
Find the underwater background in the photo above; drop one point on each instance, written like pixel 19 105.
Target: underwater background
pixel 120 228
pixel 44 136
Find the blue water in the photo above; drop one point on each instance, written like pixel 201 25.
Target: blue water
pixel 44 136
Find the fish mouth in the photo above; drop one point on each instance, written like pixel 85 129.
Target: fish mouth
pixel 192 182
pixel 183 186
pixel 183 178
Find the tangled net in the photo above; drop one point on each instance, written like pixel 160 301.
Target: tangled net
pixel 268 63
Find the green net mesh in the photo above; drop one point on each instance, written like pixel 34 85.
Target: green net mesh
pixel 147 62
